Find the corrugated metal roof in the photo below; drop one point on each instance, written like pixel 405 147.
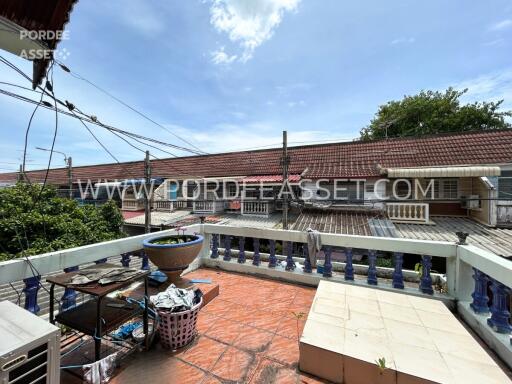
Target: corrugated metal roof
pixel 336 221
pixel 498 241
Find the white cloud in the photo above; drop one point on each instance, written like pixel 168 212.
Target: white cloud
pixel 403 40
pixel 489 87
pixel 501 25
pixel 249 23
pixel 221 57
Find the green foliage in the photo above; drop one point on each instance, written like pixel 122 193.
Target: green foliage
pixel 432 112
pixel 52 223
pixel 381 363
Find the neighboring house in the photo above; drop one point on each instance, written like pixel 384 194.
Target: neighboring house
pixel 470 173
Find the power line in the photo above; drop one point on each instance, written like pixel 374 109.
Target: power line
pixel 78 76
pixel 91 118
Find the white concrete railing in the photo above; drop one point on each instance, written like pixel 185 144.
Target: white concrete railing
pixel 132 204
pixel 257 208
pixel 208 206
pixel 408 212
pixel 169 205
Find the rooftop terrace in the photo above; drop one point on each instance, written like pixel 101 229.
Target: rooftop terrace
pixel 251 333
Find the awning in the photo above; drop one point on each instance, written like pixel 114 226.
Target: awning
pixel 270 179
pixel 474 171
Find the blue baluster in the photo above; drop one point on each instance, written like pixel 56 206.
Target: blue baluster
pixel 349 267
pixel 215 246
pixel 398 277
pixel 327 262
pixel 125 259
pixel 241 250
pixel 145 261
pixel 426 279
pixel 101 261
pixel 256 256
pixel 290 264
pixel 272 260
pixel 32 285
pixel 307 263
pixel 68 299
pixel 480 302
pixel 499 312
pixel 372 267
pixel 227 248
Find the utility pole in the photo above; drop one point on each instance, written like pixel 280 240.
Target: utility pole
pixel 20 174
pixel 285 162
pixel 147 183
pixel 70 177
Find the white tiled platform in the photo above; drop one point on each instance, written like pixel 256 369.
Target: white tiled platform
pixel 349 328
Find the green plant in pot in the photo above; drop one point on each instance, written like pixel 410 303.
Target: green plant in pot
pixel 172 254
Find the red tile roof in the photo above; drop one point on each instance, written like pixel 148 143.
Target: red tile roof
pixel 342 160
pixel 270 179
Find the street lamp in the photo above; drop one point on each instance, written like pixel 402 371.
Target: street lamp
pixel 69 163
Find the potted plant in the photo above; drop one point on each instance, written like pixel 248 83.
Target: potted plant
pixel 172 254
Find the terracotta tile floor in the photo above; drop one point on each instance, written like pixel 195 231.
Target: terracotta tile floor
pixel 248 334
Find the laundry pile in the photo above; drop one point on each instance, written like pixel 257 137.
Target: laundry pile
pixel 176 299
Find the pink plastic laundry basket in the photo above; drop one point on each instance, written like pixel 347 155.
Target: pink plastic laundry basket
pixel 177 329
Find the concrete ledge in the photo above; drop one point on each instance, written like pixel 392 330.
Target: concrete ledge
pixel 498 342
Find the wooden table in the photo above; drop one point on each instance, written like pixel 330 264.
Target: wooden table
pixel 98 317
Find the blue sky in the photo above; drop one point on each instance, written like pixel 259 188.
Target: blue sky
pixel 231 74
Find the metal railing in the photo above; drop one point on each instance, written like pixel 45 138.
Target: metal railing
pixel 477 282
pixel 408 212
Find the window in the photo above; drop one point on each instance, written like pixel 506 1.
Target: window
pixel 446 188
pixel 370 188
pixel 505 185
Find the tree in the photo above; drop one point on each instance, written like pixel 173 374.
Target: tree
pixel 433 112
pixel 34 221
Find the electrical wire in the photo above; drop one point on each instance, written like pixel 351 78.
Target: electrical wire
pixel 78 76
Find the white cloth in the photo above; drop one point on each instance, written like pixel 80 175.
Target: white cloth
pixel 314 245
pixel 100 372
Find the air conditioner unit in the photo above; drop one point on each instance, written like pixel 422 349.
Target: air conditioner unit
pixel 29 347
pixel 470 202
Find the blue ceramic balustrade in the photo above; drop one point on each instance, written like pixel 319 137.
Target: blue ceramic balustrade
pixel 125 260
pixel 215 246
pixel 480 302
pixel 290 264
pixel 32 285
pixel 372 267
pixel 256 256
pixel 272 260
pixel 349 267
pixel 227 248
pixel 68 299
pixel 426 279
pixel 241 250
pixel 398 277
pixel 327 261
pixel 145 261
pixel 499 320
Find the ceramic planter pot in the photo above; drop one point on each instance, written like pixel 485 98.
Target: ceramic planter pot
pixel 173 259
